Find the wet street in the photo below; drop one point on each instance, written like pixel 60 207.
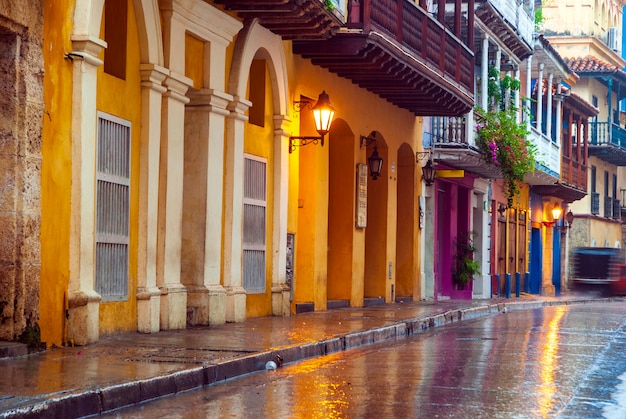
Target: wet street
pixel 554 362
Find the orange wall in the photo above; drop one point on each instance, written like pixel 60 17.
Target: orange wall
pixel 55 170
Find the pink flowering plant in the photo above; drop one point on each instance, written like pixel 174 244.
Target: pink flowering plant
pixel 501 138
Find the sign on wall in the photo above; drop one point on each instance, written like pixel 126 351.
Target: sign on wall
pixel 361 196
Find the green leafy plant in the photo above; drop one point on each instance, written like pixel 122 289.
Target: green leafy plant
pixel 539 19
pixel 464 267
pixel 501 138
pixel 329 5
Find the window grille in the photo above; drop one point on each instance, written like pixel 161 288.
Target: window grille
pixel 254 224
pixel 112 207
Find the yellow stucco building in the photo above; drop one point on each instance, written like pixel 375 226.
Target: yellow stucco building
pixel 172 193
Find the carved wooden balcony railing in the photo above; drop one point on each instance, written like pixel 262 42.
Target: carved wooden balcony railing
pixel 574 173
pixel 395 49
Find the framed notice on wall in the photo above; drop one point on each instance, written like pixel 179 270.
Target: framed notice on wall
pixel 361 196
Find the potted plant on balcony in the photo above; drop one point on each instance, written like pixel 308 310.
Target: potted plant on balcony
pixel 464 267
pixel 501 138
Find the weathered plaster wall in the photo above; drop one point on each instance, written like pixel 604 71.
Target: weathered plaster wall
pixel 21 101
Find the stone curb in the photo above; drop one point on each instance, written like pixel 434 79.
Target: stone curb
pixel 94 402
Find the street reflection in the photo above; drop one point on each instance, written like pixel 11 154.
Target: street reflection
pixel 513 365
pixel 548 363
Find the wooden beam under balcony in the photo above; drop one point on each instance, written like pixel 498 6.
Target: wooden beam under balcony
pixel 291 19
pixel 399 52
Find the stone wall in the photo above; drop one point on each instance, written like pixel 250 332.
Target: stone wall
pixel 21 113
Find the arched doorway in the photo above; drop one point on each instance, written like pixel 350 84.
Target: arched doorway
pixel 407 279
pixel 376 268
pixel 342 269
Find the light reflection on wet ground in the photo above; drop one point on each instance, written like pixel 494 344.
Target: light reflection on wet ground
pixel 560 362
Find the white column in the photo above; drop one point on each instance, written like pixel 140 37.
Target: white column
pixel 173 293
pixel 148 294
pixel 549 107
pixel 233 211
pixel 484 73
pixel 83 300
pixel 280 289
pixel 529 79
pixel 498 59
pixel 539 117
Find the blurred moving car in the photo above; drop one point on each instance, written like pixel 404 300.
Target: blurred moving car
pixel 600 269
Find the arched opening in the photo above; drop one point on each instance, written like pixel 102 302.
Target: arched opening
pixel 341 212
pixel 376 267
pixel 407 284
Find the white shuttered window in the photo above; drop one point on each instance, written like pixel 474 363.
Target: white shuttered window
pixel 112 207
pixel 254 225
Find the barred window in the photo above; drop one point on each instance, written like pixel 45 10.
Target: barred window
pixel 254 225
pixel 112 207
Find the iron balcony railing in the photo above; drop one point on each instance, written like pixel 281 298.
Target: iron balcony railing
pixel 616 209
pixel 608 207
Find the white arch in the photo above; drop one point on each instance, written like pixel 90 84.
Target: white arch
pixel 255 41
pixel 88 17
pixel 149 30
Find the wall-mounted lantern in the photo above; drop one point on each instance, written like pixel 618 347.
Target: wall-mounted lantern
pixel 323 114
pixel 374 162
pixel 557 211
pixel 428 171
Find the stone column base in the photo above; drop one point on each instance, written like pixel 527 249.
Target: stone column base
pixel 83 325
pixel 206 305
pixel 235 304
pixel 548 290
pixel 280 300
pixel 173 307
pixel 148 309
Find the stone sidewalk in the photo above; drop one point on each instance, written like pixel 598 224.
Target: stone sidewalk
pixel 129 368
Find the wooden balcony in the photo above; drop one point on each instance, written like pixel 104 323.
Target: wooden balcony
pixel 398 51
pixel 291 19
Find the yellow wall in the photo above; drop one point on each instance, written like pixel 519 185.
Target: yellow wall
pixel 360 113
pixel 122 98
pixel 55 170
pixel 259 142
